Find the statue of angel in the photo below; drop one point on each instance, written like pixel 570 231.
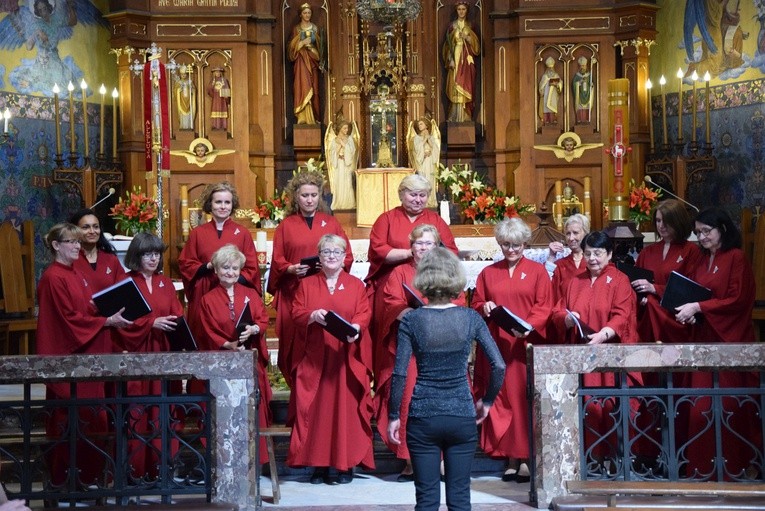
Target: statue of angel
pixel 201 152
pixel 341 144
pixel 569 146
pixel 423 142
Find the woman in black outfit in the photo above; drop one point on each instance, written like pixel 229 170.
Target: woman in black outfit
pixel 442 415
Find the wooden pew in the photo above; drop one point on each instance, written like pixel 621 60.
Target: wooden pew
pixel 17 278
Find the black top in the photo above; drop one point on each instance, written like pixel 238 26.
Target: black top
pixel 441 339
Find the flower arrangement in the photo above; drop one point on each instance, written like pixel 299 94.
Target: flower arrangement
pixel 477 200
pixel 275 208
pixel 643 201
pixel 138 213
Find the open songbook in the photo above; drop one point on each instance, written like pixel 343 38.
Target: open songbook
pixel 312 263
pixel 582 328
pixel 339 326
pixel 413 300
pixel 508 320
pixel 181 339
pixel 124 293
pixel 681 290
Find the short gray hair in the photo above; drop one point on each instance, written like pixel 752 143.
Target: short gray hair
pixel 513 230
pixel 440 275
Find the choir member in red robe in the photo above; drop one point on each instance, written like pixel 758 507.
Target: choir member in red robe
pixel 219 312
pixel 296 238
pixel 396 304
pixel 147 334
pixel 194 263
pixel 68 324
pixel 98 260
pixel 332 426
pixel 577 226
pixel 726 317
pixel 673 253
pixel 523 286
pixel 603 299
pixel 389 239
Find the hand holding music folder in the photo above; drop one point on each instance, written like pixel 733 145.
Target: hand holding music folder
pixel 635 272
pixel 681 290
pixel 509 321
pixel 412 299
pixel 583 330
pixel 313 265
pixel 124 293
pixel 181 339
pixel 245 320
pixel 339 326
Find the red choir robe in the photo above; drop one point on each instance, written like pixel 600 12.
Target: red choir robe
pixel 727 317
pixel 394 302
pixel 655 323
pixel 527 293
pixel 607 302
pixel 142 337
pixel 203 242
pixel 391 230
pixel 68 324
pixel 333 402
pixel 565 270
pixel 294 240
pixel 217 328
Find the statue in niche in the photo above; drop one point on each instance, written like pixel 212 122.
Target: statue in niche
pixel 201 152
pixel 549 93
pixel 220 92
pixel 568 147
pixel 306 51
pixel 186 99
pixel 342 146
pixel 582 90
pixel 423 141
pixel 460 51
pixel 384 128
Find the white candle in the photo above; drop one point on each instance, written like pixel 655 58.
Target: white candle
pixel 649 86
pixel 73 139
pixel 56 90
pixel 708 139
pixel 680 106
pixel 663 82
pixel 114 122
pixel 84 87
pixel 261 243
pixel 102 91
pixel 6 118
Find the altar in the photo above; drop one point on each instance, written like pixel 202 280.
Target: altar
pixel 377 192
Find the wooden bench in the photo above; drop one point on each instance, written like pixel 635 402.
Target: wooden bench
pixel 269 434
pixel 661 496
pixel 17 286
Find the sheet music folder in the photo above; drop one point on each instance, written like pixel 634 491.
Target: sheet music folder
pixel 245 320
pixel 582 328
pixel 181 339
pixel 412 300
pixel 635 272
pixel 339 326
pixel 508 320
pixel 681 290
pixel 124 293
pixel 312 263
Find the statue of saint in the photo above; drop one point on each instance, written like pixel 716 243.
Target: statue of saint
pixel 306 51
pixel 582 90
pixel 549 92
pixel 460 52
pixel 186 99
pixel 220 92
pixel 424 145
pixel 342 147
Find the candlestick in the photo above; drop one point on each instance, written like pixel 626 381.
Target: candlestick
pixel 260 241
pixel 680 106
pixel 84 87
pixel 558 190
pixel 587 197
pixel 662 82
pixel 102 90
pixel 114 123
pixel 56 90
pixel 73 139
pixel 185 225
pixel 708 108
pixel 694 77
pixel 649 86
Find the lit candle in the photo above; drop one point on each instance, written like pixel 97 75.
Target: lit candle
pixel 56 90
pixel 709 126
pixel 73 139
pixel 648 87
pixel 6 118
pixel 84 87
pixel 260 241
pixel 694 77
pixel 102 90
pixel 680 106
pixel 114 123
pixel 662 82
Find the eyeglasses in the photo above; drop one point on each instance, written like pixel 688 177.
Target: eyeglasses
pixel 150 255
pixel 704 231
pixel 425 244
pixel 327 252
pixel 70 242
pixel 511 246
pixel 598 252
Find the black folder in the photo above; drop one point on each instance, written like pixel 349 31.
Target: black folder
pixel 181 339
pixel 312 263
pixel 508 320
pixel 412 299
pixel 635 272
pixel 582 328
pixel 339 326
pixel 245 320
pixel 681 290
pixel 124 293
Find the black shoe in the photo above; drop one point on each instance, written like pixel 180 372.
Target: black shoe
pixel 405 478
pixel 344 476
pixel 510 474
pixel 320 475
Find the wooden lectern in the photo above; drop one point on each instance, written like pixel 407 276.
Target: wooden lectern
pixel 377 192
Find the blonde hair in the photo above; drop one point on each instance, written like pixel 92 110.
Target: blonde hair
pixel 57 233
pixel 513 230
pixel 306 177
pixel 440 276
pixel 421 229
pixel 333 239
pixel 414 183
pixel 227 254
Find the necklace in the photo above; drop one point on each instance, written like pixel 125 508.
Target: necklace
pixel 231 306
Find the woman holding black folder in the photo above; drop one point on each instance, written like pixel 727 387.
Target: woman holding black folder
pixel 333 403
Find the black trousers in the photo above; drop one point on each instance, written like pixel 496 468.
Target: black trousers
pixel 455 439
